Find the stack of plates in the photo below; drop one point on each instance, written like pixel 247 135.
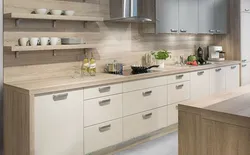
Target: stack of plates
pixel 72 41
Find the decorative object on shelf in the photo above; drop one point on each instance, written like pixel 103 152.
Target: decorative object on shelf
pixel 68 12
pixel 56 12
pixel 54 41
pixel 44 41
pixel 72 41
pixel 160 57
pixel 23 41
pixel 42 11
pixel 33 41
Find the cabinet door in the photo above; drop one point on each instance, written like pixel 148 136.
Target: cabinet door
pixel 167 16
pixel 58 124
pixel 217 80
pixel 206 16
pixel 245 74
pixel 245 37
pixel 172 114
pixel 232 77
pixel 245 5
pixel 221 16
pixel 188 16
pixel 201 79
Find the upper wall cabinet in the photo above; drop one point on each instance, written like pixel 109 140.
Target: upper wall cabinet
pixel 245 5
pixel 175 16
pixel 213 16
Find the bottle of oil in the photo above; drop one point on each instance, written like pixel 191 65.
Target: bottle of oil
pixel 85 66
pixel 92 67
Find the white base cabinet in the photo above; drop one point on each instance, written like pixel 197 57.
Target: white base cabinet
pixel 245 74
pixel 172 114
pixel 232 77
pixel 217 80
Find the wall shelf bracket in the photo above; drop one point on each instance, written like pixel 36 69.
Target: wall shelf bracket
pixel 54 52
pixel 54 23
pixel 17 54
pixel 17 22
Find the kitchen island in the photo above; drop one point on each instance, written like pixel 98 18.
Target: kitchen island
pixel 216 125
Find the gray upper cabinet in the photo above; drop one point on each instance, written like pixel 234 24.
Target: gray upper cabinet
pixel 188 16
pixel 167 16
pixel 221 16
pixel 245 5
pixel 206 16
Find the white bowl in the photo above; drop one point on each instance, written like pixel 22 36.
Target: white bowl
pixel 69 12
pixel 56 12
pixel 41 11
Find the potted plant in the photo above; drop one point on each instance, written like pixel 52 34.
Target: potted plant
pixel 160 57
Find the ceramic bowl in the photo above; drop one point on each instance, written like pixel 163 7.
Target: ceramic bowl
pixel 69 12
pixel 41 11
pixel 56 12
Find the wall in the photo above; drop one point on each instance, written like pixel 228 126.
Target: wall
pixel 121 41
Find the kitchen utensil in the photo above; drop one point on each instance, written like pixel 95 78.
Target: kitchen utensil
pixel 56 12
pixel 142 69
pixel 41 11
pixel 68 12
pixel 23 41
pixel 34 41
pixel 44 41
pixel 54 41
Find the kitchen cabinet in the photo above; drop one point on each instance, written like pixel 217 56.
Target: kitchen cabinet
pixel 213 16
pixel 245 37
pixel 172 114
pixel 167 16
pixel 188 16
pixel 177 16
pixel 245 74
pixel 217 80
pixel 178 92
pixel 232 77
pixel 58 124
pixel 200 84
pixel 245 5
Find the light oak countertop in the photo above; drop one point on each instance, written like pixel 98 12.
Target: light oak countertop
pixel 48 85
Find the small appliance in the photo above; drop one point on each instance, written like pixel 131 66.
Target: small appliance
pixel 215 53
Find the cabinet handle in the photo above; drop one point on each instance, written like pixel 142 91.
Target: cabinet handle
pixel 147 116
pixel 218 31
pixel 179 76
pixel 246 9
pixel 104 102
pixel 244 60
pixel 182 30
pixel 217 70
pixel 105 128
pixel 244 65
pixel 200 73
pixel 179 86
pixel 147 93
pixel 233 67
pixel 104 89
pixel 60 97
pixel 174 30
pixel 211 31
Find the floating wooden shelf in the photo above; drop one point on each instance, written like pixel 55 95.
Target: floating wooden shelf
pixel 49 47
pixel 52 17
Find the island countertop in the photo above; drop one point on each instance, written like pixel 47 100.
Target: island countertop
pixel 76 82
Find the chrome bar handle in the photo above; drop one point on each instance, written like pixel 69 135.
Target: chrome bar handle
pixel 104 102
pixel 179 76
pixel 147 93
pixel 60 97
pixel 174 30
pixel 183 31
pixel 233 67
pixel 244 65
pixel 105 128
pixel 180 86
pixel 104 89
pixel 211 31
pixel 218 70
pixel 147 116
pixel 244 60
pixel 200 73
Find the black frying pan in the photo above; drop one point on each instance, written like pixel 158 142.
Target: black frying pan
pixel 142 69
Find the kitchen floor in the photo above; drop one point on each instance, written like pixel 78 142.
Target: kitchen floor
pixel 167 145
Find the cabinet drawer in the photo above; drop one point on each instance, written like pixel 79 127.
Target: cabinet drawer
pixel 172 114
pixel 143 84
pixel 102 135
pixel 178 92
pixel 179 78
pixel 75 96
pixel 200 84
pixel 143 123
pixel 143 100
pixel 102 91
pixel 102 109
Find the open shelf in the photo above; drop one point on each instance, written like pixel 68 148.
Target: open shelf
pixel 49 47
pixel 52 17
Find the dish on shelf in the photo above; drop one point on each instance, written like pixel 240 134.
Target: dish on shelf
pixel 68 12
pixel 56 12
pixel 42 11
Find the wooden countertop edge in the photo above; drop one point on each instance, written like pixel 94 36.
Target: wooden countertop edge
pixel 117 79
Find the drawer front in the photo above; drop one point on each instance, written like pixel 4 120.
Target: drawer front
pixel 200 84
pixel 143 100
pixel 75 96
pixel 143 84
pixel 178 92
pixel 143 123
pixel 102 109
pixel 101 91
pixel 179 78
pixel 172 114
pixel 102 135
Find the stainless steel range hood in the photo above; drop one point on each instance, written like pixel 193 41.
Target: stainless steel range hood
pixel 130 10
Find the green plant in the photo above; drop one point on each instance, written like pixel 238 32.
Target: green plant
pixel 161 54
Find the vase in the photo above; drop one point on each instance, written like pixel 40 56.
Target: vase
pixel 161 63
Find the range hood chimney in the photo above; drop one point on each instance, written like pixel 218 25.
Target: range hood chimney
pixel 130 10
